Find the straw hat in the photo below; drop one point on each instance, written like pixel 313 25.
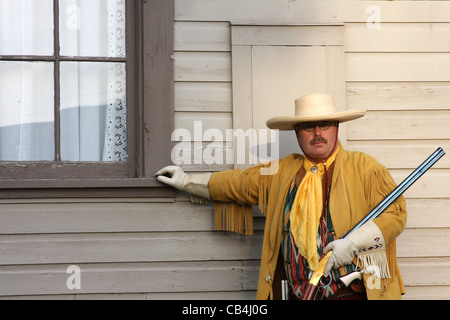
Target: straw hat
pixel 311 108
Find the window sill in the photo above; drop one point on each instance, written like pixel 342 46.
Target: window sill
pixel 80 188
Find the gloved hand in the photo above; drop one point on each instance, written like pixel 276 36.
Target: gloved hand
pixel 343 253
pixel 368 238
pixel 196 184
pixel 173 176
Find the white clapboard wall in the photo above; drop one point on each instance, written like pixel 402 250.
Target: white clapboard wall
pixel 398 71
pixel 137 248
pixel 124 249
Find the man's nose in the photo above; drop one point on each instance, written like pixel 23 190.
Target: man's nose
pixel 317 131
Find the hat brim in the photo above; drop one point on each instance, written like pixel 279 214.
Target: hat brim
pixel 288 122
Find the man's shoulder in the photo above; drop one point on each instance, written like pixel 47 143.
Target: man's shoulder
pixel 289 161
pixel 292 157
pixel 359 157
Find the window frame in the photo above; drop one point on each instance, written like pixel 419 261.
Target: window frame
pixel 150 121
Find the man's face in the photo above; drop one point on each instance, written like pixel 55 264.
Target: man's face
pixel 317 139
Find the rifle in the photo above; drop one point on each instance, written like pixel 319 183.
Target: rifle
pixel 311 288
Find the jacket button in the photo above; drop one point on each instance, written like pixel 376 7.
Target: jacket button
pixel 268 278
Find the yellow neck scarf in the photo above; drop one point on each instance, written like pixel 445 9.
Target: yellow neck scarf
pixel 307 210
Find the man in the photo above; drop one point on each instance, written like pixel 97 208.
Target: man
pixel 309 202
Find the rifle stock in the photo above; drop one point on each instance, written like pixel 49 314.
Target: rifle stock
pixel 313 283
pixel 310 292
pixel 312 286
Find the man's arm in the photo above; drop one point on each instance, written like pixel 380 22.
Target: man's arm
pixel 196 184
pixel 392 221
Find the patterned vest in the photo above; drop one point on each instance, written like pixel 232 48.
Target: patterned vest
pixel 296 267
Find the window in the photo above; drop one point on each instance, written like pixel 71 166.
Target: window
pixel 76 100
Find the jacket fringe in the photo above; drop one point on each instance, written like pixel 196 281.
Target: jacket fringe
pixel 233 217
pixel 236 217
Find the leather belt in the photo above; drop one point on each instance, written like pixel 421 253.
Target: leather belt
pixel 354 291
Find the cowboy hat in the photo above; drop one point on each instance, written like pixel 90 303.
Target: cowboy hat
pixel 312 108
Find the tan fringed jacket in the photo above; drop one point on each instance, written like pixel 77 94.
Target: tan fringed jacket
pixel 358 184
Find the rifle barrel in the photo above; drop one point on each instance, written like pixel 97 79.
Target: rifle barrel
pixel 400 189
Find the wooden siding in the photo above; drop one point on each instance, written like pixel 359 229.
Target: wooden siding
pixel 203 89
pixel 125 248
pixel 165 248
pixel 399 73
pixel 203 92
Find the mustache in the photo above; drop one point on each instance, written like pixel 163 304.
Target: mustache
pixel 318 139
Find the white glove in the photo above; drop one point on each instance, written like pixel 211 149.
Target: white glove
pixel 196 184
pixel 368 238
pixel 173 176
pixel 343 253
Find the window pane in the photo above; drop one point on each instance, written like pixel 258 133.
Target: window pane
pixel 26 27
pixel 26 111
pixel 92 28
pixel 93 111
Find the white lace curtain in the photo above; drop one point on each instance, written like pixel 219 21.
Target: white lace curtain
pixel 92 94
